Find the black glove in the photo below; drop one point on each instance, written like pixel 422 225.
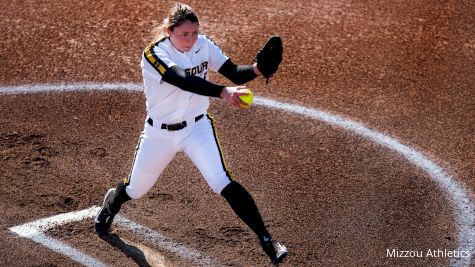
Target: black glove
pixel 269 57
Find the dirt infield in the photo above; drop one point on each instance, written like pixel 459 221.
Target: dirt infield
pixel 405 69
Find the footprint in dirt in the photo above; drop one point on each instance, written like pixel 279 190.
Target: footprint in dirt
pixel 233 231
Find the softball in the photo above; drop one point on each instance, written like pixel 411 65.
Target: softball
pixel 247 98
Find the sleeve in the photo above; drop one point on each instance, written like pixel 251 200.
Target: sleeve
pixel 158 58
pixel 194 84
pixel 237 74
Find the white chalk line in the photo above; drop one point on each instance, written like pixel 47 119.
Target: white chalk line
pixel 36 231
pixel 458 196
pixel 68 87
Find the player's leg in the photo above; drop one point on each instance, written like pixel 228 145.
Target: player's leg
pixel 151 157
pixel 113 200
pixel 243 205
pixel 204 150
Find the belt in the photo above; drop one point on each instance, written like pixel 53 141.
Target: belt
pixel 176 126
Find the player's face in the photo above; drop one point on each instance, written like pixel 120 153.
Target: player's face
pixel 184 36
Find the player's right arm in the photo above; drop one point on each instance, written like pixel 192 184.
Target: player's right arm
pixel 168 71
pixel 177 76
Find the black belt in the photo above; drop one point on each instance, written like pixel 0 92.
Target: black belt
pixel 176 126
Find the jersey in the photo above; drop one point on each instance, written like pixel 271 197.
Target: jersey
pixel 165 102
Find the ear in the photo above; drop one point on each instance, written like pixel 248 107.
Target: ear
pixel 167 29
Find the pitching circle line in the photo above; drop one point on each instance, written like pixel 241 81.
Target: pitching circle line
pixel 458 196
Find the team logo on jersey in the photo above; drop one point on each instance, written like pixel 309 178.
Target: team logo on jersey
pixel 197 69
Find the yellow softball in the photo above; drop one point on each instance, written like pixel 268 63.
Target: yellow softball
pixel 247 97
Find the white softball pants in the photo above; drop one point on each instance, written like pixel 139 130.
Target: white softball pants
pixel 157 148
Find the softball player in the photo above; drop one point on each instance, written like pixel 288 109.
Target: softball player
pixel 175 73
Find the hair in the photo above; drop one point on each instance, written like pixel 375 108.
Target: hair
pixel 178 14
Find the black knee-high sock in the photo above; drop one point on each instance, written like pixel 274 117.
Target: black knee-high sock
pixel 244 206
pixel 119 198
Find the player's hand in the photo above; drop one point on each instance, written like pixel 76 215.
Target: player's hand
pixel 231 95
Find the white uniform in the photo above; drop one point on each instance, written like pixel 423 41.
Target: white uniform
pixel 169 105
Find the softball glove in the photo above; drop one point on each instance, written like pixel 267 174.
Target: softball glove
pixel 270 56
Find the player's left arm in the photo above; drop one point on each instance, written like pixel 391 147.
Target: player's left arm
pixel 238 74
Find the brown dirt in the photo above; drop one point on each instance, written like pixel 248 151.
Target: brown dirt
pixel 404 68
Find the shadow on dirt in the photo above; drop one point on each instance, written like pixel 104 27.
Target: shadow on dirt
pixel 135 253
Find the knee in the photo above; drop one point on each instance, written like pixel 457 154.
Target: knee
pixel 135 193
pixel 140 182
pixel 219 187
pixel 233 190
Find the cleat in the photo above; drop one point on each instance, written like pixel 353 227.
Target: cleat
pixel 274 250
pixel 104 217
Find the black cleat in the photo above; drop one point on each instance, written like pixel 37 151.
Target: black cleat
pixel 274 250
pixel 104 217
